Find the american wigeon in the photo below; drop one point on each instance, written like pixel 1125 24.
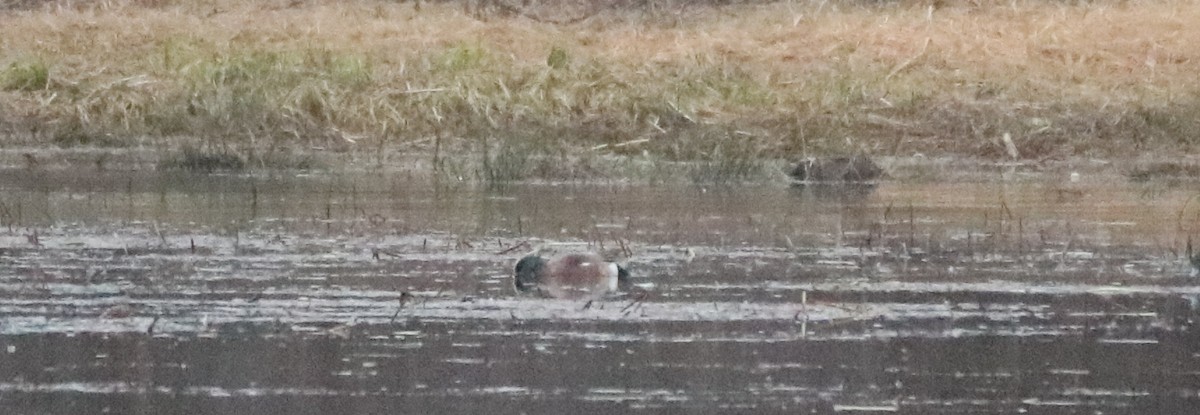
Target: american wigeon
pixel 571 276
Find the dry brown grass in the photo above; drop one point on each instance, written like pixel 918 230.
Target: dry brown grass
pixel 1099 78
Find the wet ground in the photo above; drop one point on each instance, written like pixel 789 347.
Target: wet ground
pixel 159 293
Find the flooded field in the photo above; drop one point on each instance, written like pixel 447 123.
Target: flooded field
pixel 366 293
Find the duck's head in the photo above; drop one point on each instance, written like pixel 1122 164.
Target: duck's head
pixel 527 273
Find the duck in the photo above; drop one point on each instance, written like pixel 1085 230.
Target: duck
pixel 570 276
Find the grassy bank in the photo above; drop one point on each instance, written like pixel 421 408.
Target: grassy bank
pixel 720 84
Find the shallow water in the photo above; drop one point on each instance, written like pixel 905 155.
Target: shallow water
pixel 150 292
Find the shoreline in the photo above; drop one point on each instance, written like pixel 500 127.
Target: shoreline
pixel 1024 82
pixel 601 169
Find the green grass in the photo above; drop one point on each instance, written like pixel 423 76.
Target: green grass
pixel 30 75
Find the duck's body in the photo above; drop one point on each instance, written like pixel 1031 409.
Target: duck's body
pixel 571 276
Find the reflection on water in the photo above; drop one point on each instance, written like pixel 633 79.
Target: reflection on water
pixel 146 292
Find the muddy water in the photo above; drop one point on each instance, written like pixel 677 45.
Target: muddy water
pixel 148 292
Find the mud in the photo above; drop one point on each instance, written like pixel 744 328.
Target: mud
pixel 150 292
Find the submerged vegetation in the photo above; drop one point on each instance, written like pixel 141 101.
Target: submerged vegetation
pixel 726 86
pixel 227 160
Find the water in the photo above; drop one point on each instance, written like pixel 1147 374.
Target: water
pixel 150 292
